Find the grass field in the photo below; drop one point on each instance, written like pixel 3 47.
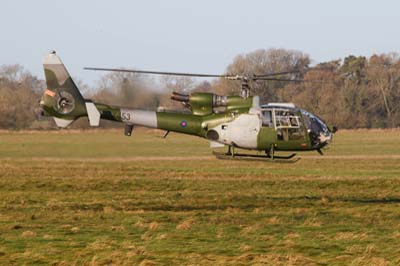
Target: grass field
pixel 99 198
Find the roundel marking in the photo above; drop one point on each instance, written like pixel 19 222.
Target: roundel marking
pixel 184 123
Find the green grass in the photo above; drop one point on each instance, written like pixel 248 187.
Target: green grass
pixel 99 198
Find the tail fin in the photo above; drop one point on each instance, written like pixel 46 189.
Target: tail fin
pixel 62 99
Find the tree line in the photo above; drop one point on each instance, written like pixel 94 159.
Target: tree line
pixel 354 92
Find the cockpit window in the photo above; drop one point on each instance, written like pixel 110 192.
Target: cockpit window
pixel 317 129
pixel 313 123
pixel 286 119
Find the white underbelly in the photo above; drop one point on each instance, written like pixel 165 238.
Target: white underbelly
pixel 241 132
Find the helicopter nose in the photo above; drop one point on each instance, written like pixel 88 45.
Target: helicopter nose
pixel 326 134
pixel 333 129
pixel 325 138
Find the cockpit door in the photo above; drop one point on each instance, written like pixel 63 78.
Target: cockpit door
pixel 290 131
pixel 267 135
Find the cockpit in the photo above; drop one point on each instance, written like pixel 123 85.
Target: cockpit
pixel 292 123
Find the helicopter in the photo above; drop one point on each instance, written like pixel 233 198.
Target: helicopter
pixel 242 123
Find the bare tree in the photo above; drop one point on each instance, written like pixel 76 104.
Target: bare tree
pixel 19 96
pixel 384 76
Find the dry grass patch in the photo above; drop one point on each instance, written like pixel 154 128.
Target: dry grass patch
pixel 325 199
pixel 75 230
pixel 312 222
pixel 366 260
pixel 48 237
pixel 146 236
pixel 147 263
pixel 268 260
pixel 162 236
pixel 141 224
pixel 350 236
pixel 245 248
pixel 117 228
pixel 153 226
pixel 273 220
pixel 108 209
pixel 186 224
pixel 292 236
pixel 28 234
pixel 249 229
pixel 101 244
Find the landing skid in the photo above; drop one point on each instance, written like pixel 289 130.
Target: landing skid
pixel 255 157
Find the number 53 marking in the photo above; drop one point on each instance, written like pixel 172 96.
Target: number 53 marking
pixel 125 116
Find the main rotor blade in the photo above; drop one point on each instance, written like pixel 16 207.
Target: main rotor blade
pixel 276 74
pixel 163 73
pixel 292 80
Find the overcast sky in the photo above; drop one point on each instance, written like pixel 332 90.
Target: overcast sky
pixel 191 36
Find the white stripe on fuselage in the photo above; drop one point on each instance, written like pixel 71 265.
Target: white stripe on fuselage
pixel 139 117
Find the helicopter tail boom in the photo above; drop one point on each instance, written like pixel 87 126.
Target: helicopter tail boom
pixel 63 101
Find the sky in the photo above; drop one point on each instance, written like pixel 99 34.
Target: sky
pixel 189 36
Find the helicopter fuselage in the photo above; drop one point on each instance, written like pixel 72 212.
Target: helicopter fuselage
pixel 283 126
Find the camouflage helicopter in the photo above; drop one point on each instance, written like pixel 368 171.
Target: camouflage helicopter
pixel 242 122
